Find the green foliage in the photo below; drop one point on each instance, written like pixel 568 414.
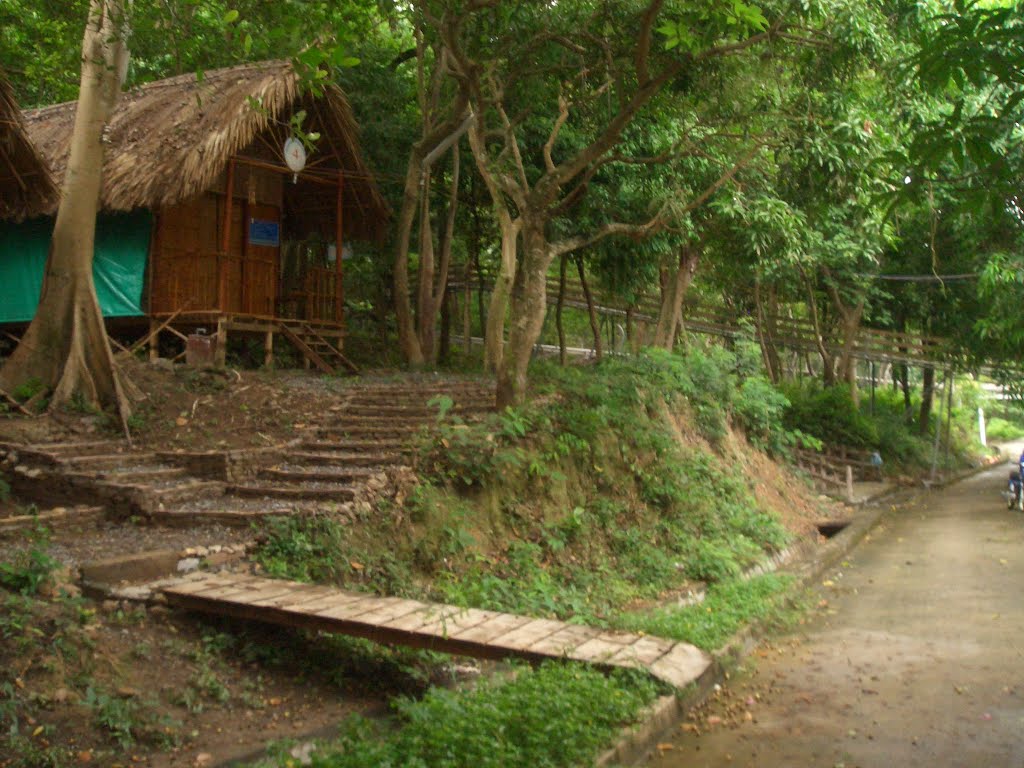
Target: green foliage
pixel 117 715
pixel 727 607
pixel 27 390
pixel 660 513
pixel 318 549
pixel 556 715
pixel 31 566
pixel 829 414
pixel 998 429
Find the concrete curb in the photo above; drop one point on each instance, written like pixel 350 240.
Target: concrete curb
pixel 658 722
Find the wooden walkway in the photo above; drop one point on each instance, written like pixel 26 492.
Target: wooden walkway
pixel 436 627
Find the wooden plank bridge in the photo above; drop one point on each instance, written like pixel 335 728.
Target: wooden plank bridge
pixel 436 627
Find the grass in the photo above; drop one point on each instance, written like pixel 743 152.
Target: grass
pixel 556 715
pixel 727 608
pixel 583 505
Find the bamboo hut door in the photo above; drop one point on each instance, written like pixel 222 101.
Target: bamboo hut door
pixel 261 259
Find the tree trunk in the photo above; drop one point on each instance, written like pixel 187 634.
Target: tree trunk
pixel 908 406
pixel 66 345
pixel 828 372
pixel 408 339
pixel 849 321
pixel 764 337
pixel 494 339
pixel 529 303
pixel 847 362
pixel 675 284
pixel 426 312
pixel 595 327
pixel 562 269
pixel 927 395
pixel 445 343
pixel 439 298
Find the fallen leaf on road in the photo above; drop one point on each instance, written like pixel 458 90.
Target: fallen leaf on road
pixel 665 747
pixel 828 583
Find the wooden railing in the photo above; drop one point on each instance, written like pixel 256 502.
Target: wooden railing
pixel 788 332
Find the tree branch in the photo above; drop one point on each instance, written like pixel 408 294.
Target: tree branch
pixel 563 115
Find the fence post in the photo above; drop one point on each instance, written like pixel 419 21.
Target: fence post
pixel 849 483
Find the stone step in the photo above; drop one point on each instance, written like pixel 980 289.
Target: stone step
pixel 344 459
pixel 383 430
pixel 360 424
pixel 408 411
pixel 70 450
pixel 301 474
pixel 101 461
pixel 421 400
pixel 298 491
pixel 229 517
pixel 193 489
pixel 133 475
pixel 355 445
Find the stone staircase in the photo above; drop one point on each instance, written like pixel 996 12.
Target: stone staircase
pixel 347 457
pixel 108 473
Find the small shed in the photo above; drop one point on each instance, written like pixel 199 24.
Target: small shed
pixel 235 239
pixel 26 186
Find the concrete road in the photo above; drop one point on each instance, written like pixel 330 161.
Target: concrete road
pixel 914 657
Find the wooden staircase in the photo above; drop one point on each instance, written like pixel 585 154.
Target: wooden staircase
pixel 315 348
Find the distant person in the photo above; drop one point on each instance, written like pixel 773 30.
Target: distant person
pixel 876 463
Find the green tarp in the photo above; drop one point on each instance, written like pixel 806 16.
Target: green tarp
pixel 122 242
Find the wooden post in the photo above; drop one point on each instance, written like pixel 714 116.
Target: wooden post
pixel 339 284
pixel 225 240
pixel 222 342
pixel 849 483
pixel 154 333
pixel 268 350
pixel 467 328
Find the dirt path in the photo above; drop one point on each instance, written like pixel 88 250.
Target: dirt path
pixel 916 659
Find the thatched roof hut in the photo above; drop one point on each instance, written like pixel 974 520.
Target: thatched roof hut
pixel 26 186
pixel 172 139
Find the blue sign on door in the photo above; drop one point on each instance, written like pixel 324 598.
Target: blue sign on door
pixel 264 232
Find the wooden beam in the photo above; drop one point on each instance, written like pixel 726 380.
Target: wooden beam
pixel 225 239
pixel 154 332
pixel 339 285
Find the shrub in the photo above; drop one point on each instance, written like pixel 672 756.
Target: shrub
pixel 556 715
pixel 829 414
pixel 31 566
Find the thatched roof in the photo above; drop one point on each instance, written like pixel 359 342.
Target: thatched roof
pixel 172 139
pixel 26 186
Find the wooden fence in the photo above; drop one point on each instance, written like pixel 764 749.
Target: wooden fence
pixel 783 330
